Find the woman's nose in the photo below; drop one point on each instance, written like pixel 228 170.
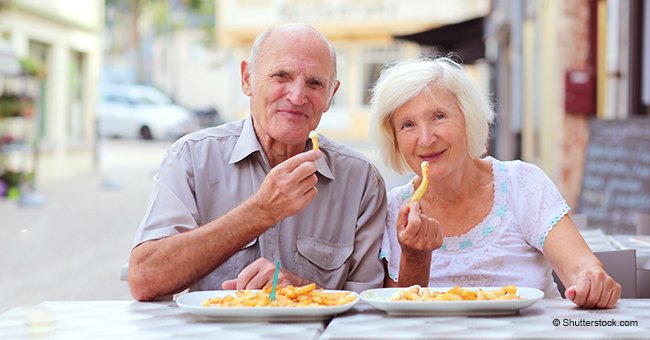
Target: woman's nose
pixel 427 137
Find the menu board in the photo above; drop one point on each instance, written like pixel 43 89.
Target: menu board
pixel 616 177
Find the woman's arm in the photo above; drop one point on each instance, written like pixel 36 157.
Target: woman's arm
pixel 418 236
pixel 588 284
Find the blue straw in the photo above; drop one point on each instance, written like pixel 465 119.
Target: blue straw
pixel 275 280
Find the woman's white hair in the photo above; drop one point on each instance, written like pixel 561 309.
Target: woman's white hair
pixel 401 82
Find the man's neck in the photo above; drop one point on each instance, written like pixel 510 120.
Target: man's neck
pixel 277 152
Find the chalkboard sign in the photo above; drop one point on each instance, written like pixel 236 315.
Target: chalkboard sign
pixel 616 177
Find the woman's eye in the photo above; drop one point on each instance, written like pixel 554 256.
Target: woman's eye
pixel 406 125
pixel 439 116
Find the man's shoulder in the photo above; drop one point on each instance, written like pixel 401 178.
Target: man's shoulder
pixel 216 133
pixel 339 149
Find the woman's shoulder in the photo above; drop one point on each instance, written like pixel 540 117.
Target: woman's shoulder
pixel 399 194
pixel 519 170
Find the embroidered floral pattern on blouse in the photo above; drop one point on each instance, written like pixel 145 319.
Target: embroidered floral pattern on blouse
pixel 491 221
pixel 564 210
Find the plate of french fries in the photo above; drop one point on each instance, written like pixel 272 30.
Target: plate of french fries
pixel 291 303
pixel 416 300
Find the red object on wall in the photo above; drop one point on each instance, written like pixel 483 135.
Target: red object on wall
pixel 580 92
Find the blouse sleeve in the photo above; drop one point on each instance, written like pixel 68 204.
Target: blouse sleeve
pixel 538 203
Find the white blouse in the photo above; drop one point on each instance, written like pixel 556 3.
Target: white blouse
pixel 506 247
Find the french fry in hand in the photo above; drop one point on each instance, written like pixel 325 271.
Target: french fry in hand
pixel 423 185
pixel 314 139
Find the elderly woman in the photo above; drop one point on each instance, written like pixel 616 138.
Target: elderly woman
pixel 481 221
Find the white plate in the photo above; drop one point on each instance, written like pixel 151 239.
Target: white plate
pixel 192 302
pixel 380 298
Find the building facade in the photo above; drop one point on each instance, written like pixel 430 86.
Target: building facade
pixel 64 37
pixel 362 33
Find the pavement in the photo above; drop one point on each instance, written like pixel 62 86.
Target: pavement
pixel 73 247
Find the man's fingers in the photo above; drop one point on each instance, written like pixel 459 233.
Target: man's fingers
pixel 229 284
pixel 248 273
pixel 292 163
pixel 308 183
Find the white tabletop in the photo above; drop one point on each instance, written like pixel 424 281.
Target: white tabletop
pixel 136 320
pixel 129 320
pixel 536 321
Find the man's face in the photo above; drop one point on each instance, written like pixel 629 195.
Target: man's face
pixel 293 85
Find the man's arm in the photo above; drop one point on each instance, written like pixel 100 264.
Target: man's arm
pixel 171 264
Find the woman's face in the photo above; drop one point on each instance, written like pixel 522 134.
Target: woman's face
pixel 431 127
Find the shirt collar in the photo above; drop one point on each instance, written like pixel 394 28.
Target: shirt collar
pixel 248 144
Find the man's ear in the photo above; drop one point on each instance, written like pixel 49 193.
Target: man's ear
pixel 246 85
pixel 336 88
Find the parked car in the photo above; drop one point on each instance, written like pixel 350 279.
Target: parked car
pixel 139 111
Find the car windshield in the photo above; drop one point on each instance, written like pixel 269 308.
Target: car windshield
pixel 151 97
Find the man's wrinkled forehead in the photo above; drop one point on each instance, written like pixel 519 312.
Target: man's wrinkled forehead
pixel 292 41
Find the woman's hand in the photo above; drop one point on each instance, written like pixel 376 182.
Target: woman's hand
pixel 593 288
pixel 416 232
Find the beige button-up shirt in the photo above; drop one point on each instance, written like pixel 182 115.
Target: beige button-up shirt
pixel 334 241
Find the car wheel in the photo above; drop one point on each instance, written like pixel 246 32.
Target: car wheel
pixel 145 133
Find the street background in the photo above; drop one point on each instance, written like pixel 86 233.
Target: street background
pixel 73 247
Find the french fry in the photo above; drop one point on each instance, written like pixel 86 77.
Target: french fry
pixel 314 139
pixel 288 296
pixel 457 293
pixel 423 185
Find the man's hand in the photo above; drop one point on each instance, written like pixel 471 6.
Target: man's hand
pixel 259 274
pixel 289 187
pixel 593 288
pixel 416 232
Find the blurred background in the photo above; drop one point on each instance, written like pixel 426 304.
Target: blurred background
pixel 92 93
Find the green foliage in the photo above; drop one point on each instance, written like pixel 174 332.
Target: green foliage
pixel 32 67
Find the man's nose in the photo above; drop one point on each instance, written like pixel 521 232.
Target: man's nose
pixel 296 93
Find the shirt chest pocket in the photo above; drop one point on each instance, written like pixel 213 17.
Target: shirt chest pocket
pixel 324 263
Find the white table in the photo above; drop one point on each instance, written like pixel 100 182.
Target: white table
pixel 155 320
pixel 534 322
pixel 127 320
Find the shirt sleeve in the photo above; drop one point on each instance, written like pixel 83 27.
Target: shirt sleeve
pixel 172 208
pixel 390 249
pixel 539 203
pixel 366 271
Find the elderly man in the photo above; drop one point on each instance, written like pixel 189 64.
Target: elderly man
pixel 231 200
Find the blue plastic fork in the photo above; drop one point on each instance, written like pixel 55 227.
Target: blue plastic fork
pixel 275 280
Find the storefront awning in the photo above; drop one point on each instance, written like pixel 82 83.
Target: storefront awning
pixel 9 65
pixel 464 38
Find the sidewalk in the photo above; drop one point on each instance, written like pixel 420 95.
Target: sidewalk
pixel 73 247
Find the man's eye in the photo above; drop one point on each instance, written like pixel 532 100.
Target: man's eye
pixel 281 75
pixel 315 83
